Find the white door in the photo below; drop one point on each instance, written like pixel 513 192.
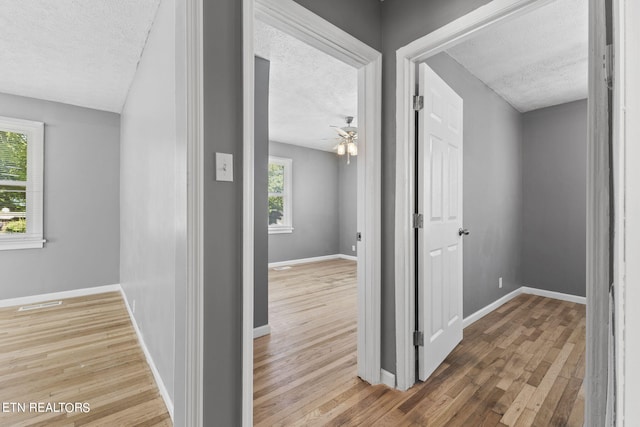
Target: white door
pixel 440 201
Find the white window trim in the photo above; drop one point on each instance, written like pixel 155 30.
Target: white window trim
pixel 33 238
pixel 280 229
pixel 287 194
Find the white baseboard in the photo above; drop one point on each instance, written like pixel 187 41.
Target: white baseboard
pixel 387 378
pixel 521 290
pixel 156 375
pixel 303 260
pixel 261 331
pixel 312 259
pixel 489 308
pixel 554 295
pixel 34 299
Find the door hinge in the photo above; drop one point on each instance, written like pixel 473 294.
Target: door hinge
pixel 418 220
pixel 418 339
pixel 609 65
pixel 418 102
pixel 359 236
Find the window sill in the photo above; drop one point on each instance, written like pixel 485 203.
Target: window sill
pixel 13 243
pixel 281 230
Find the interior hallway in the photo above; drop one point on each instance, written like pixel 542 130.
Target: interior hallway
pixel 522 364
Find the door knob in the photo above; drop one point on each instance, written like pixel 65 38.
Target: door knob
pixel 463 231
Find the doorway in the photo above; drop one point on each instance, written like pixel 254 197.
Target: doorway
pixel 414 53
pixel 292 19
pixel 306 160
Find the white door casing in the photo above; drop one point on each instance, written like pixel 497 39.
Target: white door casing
pixel 440 201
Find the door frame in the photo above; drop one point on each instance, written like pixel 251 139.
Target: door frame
pixel 193 370
pixel 598 192
pixel 626 103
pixel 292 18
pixel 407 57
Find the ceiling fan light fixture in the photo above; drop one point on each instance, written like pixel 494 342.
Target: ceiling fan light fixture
pixel 348 137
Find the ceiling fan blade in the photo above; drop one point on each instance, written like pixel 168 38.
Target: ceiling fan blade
pixel 340 131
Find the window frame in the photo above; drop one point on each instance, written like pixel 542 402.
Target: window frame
pixel 287 214
pixel 33 238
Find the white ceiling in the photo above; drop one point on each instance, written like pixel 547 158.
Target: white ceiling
pixel 308 90
pixel 80 52
pixel 536 60
pixel 86 52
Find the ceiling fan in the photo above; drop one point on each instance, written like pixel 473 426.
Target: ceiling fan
pixel 348 135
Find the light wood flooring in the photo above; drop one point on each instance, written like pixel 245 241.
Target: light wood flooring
pixel 85 350
pixel 521 365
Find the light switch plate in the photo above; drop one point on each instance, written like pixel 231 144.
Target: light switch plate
pixel 224 167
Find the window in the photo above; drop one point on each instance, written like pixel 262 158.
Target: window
pixel 21 183
pixel 279 185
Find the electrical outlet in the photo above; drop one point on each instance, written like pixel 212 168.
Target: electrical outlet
pixel 500 283
pixel 134 306
pixel 353 248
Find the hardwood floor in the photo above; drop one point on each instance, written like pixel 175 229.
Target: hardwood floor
pixel 84 351
pixel 521 365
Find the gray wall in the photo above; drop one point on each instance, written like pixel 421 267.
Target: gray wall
pixel 81 202
pixel 315 205
pixel 492 198
pixel 554 185
pixel 149 194
pixel 360 18
pixel 261 208
pixel 347 205
pixel 223 214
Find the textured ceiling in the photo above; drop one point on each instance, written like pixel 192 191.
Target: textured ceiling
pixel 80 52
pixel 308 90
pixel 536 60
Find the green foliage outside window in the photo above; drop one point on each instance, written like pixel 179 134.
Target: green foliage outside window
pixel 276 209
pixel 13 156
pixel 276 178
pixel 16 226
pixel 13 167
pixel 276 188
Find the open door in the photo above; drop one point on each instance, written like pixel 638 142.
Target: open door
pixel 439 146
